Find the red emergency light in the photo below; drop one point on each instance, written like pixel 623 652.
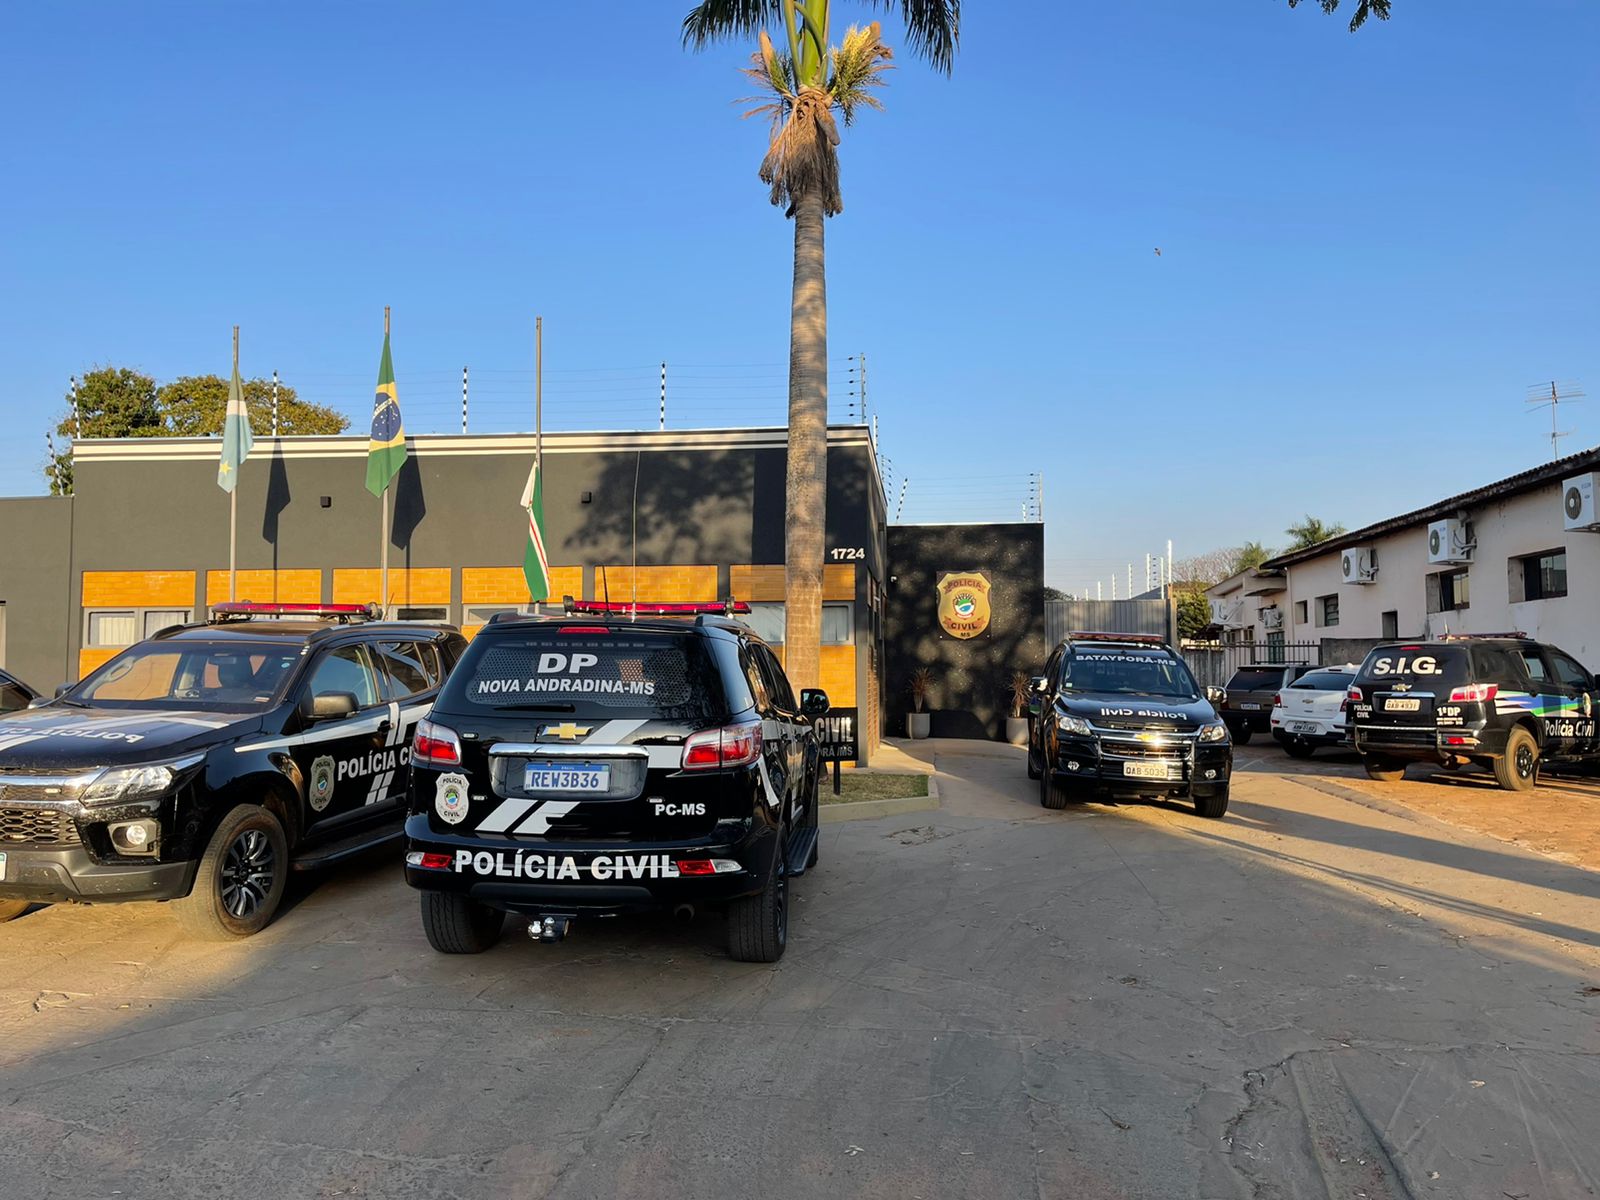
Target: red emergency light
pixel 238 610
pixel 694 608
pixel 1142 639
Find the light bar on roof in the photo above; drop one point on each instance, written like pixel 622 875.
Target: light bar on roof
pixel 253 608
pixel 689 608
pixel 1142 639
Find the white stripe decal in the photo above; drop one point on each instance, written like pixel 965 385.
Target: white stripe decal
pixel 539 821
pixel 330 733
pixel 612 733
pixel 504 817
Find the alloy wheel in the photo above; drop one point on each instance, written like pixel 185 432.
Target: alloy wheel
pixel 247 873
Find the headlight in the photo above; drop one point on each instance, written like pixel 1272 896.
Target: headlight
pixel 1217 732
pixel 1075 725
pixel 135 783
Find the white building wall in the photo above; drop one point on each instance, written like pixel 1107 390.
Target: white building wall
pixel 1507 529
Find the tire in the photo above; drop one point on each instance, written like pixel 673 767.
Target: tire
pixel 1213 806
pixel 1385 770
pixel 456 924
pixel 1242 735
pixel 1054 792
pixel 1517 770
pixel 1033 771
pixel 758 926
pixel 240 880
pixel 1295 748
pixel 10 910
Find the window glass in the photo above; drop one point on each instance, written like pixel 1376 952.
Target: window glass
pixel 1120 671
pixel 113 628
pixel 838 626
pixel 402 663
pixel 1327 610
pixel 1391 623
pixel 1323 681
pixel 170 674
pixel 157 619
pixel 777 682
pixel 421 614
pixel 757 680
pixel 1544 576
pixel 766 618
pixel 1570 671
pixel 344 670
pixel 1535 664
pixel 1256 679
pixel 12 697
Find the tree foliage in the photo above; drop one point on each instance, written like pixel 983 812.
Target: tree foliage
pixel 1251 554
pixel 1194 609
pixel 1363 10
pixel 1311 531
pixel 1205 569
pixel 119 402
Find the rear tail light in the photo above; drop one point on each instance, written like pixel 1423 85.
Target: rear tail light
pixel 1344 704
pixel 435 746
pixel 1353 696
pixel 1475 693
pixel 428 860
pixel 696 866
pixel 1277 700
pixel 730 746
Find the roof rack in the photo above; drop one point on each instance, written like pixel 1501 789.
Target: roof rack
pixel 244 610
pixel 1470 637
pixel 1143 639
pixel 692 608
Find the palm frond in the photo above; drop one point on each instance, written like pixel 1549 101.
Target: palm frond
pixel 773 72
pixel 858 64
pixel 803 157
pixel 721 20
pixel 1364 9
pixel 933 28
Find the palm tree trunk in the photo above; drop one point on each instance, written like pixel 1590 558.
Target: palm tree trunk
pixel 807 484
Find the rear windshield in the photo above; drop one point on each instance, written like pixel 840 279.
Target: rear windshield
pixel 622 674
pixel 1256 679
pixel 1128 672
pixel 1323 681
pixel 1418 664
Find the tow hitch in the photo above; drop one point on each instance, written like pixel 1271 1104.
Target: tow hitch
pixel 549 929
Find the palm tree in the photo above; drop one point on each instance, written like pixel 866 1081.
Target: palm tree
pixel 805 85
pixel 1311 530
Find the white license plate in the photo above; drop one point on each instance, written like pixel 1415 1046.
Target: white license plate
pixel 584 778
pixel 1150 770
pixel 1402 704
pixel 2 867
pixel 1303 727
pixel 1251 707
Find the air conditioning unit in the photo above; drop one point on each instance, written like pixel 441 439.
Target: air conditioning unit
pixel 1272 618
pixel 1449 541
pixel 1360 565
pixel 1577 502
pixel 1226 613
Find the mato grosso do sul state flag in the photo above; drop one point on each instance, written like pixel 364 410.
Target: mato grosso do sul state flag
pixel 386 448
pixel 535 562
pixel 236 436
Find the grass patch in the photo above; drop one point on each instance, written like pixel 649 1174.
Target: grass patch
pixel 872 785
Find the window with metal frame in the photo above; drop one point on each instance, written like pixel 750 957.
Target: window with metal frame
pixel 1328 610
pixel 108 627
pixel 1544 575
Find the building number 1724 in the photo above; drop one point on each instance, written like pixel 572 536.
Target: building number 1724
pixel 847 554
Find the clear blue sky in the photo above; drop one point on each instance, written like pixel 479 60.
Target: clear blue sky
pixel 1371 244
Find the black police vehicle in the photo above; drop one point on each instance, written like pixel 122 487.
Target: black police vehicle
pixel 1120 715
pixel 609 761
pixel 204 763
pixel 1500 701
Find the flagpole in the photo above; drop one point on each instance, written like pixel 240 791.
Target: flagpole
pixel 383 515
pixel 233 500
pixel 538 395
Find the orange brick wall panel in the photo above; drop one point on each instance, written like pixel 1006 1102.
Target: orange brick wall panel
pixel 838 675
pixel 138 589
pixel 657 585
pixel 764 584
pixel 839 581
pixel 407 587
pixel 267 587
pixel 505 585
pixel 88 660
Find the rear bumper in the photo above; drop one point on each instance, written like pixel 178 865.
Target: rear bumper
pixel 1422 743
pixel 1336 736
pixel 533 877
pixel 1256 722
pixel 71 876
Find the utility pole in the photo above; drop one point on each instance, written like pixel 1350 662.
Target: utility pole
pixel 1167 595
pixel 1552 397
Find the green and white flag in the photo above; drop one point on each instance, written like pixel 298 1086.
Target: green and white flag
pixel 236 436
pixel 535 562
pixel 386 446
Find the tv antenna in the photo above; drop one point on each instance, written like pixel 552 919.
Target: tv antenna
pixel 1553 395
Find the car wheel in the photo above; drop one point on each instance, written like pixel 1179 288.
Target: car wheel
pixel 1033 771
pixel 1385 770
pixel 456 924
pixel 1214 805
pixel 1242 735
pixel 240 879
pixel 758 926
pixel 10 910
pixel 1295 748
pixel 1517 770
pixel 1055 792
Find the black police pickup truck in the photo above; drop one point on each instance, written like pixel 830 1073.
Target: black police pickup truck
pixel 203 764
pixel 1500 701
pixel 612 761
pixel 1120 715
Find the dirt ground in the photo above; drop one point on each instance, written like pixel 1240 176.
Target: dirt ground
pixel 1560 818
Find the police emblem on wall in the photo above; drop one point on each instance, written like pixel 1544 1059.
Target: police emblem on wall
pixel 964 603
pixel 321 789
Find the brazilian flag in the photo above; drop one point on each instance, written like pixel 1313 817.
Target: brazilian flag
pixel 386 448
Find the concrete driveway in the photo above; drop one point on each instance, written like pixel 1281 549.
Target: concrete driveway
pixel 1318 996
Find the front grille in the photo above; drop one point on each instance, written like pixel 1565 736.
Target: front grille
pixel 37 827
pixel 1170 750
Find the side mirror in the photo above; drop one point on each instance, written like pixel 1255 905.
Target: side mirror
pixel 1216 695
pixel 329 706
pixel 814 702
pixel 62 689
pixel 1037 683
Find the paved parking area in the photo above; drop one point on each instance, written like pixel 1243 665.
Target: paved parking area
pixel 1323 995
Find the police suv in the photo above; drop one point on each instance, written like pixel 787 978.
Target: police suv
pixel 205 763
pixel 616 759
pixel 1500 701
pixel 1119 714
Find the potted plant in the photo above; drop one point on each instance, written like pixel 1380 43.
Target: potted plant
pixel 917 721
pixel 1017 720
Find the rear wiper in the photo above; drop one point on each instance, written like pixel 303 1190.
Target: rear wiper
pixel 555 708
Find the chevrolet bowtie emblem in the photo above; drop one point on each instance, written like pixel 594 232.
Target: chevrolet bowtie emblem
pixel 1402 687
pixel 568 732
pixel 1152 737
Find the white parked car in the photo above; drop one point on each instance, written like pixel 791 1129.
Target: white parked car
pixel 1310 712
